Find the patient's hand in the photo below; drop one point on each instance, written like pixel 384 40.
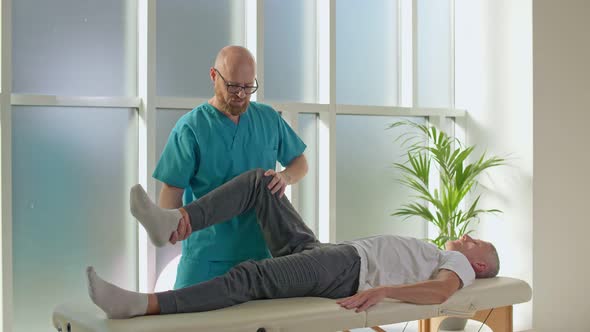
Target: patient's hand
pixel 183 231
pixel 364 300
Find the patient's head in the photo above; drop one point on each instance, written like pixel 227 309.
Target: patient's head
pixel 481 254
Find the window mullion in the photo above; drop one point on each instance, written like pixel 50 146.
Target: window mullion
pixel 147 131
pixel 6 252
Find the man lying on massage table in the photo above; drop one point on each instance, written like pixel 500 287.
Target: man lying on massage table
pixel 362 272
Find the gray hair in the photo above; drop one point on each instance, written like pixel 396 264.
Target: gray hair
pixel 493 265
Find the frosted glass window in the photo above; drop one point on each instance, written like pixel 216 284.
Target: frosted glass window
pixel 367 191
pixel 189 35
pixel 290 51
pixel 366 52
pixel 165 121
pixel 434 53
pixel 308 186
pixel 72 170
pixel 72 47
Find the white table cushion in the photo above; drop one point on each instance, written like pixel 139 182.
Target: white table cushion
pixel 298 314
pixel 482 294
pixel 285 315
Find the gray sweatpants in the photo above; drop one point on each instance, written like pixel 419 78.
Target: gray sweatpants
pixel 301 265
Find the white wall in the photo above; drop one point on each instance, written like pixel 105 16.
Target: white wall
pixel 561 102
pixel 494 83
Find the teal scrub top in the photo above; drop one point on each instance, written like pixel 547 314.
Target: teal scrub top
pixel 206 149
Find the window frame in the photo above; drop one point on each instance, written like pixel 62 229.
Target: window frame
pixel 147 103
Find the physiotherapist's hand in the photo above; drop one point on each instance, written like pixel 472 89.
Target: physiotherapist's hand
pixel 364 300
pixel 279 182
pixel 182 232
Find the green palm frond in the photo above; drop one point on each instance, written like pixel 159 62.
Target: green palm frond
pixel 428 147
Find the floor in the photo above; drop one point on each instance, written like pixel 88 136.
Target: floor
pixel 472 326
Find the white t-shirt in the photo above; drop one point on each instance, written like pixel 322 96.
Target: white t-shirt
pixel 397 260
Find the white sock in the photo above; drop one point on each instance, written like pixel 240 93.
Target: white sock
pixel 159 223
pixel 116 302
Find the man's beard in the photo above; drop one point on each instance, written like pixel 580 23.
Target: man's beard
pixel 226 107
pixel 234 110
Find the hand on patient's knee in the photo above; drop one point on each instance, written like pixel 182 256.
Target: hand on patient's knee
pixel 279 182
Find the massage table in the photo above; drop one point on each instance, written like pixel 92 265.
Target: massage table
pixel 488 300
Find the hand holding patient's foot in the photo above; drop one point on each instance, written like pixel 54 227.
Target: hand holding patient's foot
pixel 116 302
pixel 184 229
pixel 159 223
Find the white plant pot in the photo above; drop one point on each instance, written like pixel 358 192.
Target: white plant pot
pixel 453 324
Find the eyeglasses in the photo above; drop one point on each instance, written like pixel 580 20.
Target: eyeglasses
pixel 236 88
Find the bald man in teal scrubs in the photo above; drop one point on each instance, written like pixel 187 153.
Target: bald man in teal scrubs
pixel 210 145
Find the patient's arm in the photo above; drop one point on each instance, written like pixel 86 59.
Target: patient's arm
pixel 433 291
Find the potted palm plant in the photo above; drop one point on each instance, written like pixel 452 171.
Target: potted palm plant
pixel 445 206
pixel 428 147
